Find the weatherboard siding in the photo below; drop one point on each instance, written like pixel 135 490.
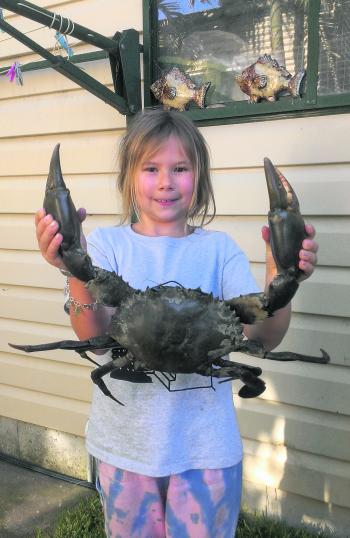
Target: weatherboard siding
pixel 297 434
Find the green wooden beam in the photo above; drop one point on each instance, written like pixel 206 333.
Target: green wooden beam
pixel 59 23
pixel 70 71
pixel 130 63
pixel 123 51
pixel 76 59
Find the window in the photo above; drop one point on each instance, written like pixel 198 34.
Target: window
pixel 215 40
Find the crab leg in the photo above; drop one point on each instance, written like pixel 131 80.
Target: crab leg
pixel 252 347
pixel 98 342
pixel 96 376
pixel 120 367
pixel 249 375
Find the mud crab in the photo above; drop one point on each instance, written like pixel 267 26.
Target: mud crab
pixel 198 329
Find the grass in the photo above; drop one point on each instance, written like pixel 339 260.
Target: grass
pixel 261 526
pixel 86 521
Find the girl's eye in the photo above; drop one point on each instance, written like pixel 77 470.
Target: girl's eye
pixel 150 169
pixel 180 169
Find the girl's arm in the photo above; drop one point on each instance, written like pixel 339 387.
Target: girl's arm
pixel 87 323
pixel 271 332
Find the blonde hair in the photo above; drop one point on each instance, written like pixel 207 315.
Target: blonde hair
pixel 146 133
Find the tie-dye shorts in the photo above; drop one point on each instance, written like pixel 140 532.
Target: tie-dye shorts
pixel 193 504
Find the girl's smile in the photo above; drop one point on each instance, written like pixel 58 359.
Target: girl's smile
pixel 164 190
pixel 167 202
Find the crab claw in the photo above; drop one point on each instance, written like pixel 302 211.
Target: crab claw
pixel 287 232
pixel 59 204
pixel 287 227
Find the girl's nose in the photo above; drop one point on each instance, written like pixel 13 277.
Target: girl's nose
pixel 165 179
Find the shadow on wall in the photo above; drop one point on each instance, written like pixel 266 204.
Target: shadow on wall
pixel 296 463
pixel 297 434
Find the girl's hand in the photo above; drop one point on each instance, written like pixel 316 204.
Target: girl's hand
pixel 49 238
pixel 307 255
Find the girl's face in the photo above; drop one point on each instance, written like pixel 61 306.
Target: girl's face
pixel 164 189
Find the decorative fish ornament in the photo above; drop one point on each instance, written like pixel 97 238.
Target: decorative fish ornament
pixel 176 90
pixel 265 79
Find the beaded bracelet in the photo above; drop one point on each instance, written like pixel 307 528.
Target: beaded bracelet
pixel 77 306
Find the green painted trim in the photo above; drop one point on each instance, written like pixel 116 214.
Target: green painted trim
pixel 333 100
pixel 147 56
pixel 326 105
pixel 312 52
pixel 272 117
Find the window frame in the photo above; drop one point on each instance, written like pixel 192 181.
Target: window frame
pixel 310 104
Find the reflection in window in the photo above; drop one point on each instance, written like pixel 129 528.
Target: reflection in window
pixel 334 59
pixel 214 40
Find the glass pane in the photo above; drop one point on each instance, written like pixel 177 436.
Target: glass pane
pixel 215 40
pixel 334 59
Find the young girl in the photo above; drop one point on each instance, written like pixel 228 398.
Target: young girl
pixel 169 463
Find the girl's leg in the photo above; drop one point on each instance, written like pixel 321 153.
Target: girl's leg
pixel 133 504
pixel 204 503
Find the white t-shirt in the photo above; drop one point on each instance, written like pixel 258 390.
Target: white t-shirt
pixel 157 432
